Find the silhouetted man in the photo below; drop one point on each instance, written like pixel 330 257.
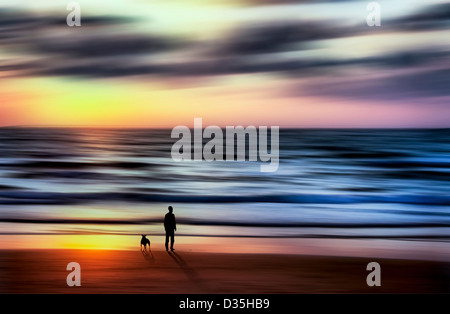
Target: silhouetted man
pixel 171 226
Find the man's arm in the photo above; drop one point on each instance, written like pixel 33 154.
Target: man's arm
pixel 174 223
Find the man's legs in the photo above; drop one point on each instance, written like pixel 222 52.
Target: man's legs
pixel 170 234
pixel 172 240
pixel 167 240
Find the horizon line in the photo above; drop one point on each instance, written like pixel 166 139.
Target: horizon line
pixel 169 128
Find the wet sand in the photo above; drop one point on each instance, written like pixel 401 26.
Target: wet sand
pixel 103 271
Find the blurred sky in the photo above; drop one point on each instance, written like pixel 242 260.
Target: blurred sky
pixel 160 63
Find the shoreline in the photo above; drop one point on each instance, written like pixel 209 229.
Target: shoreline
pixel 364 248
pixel 182 272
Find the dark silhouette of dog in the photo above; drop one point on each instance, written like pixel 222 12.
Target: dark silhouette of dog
pixel 145 242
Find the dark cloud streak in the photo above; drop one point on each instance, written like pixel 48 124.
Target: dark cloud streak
pixel 243 65
pixel 105 46
pixel 430 18
pixel 282 36
pixel 400 86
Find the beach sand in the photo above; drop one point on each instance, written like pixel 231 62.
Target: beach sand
pixel 121 271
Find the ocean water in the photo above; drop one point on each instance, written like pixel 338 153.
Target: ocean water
pixel 334 185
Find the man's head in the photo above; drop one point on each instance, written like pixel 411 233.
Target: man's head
pixel 170 209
